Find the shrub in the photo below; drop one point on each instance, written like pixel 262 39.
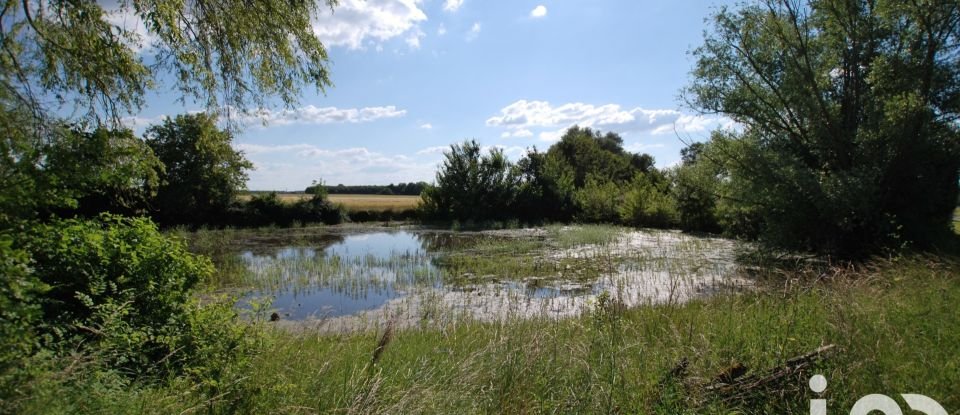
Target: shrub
pixel 646 204
pixel 116 284
pixel 597 201
pixel 19 310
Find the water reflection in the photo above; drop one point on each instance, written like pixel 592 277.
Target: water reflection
pixel 380 274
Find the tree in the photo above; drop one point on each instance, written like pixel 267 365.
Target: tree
pixel 472 186
pixel 203 172
pixel 102 171
pixel 849 113
pixel 79 57
pixel 592 154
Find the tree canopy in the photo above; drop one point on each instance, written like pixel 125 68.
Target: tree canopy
pixel 849 113
pixel 202 170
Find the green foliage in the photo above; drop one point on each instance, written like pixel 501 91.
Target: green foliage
pixel 592 154
pixel 102 170
pixel 597 201
pixel 647 204
pixel 117 283
pixel 267 209
pixel 849 109
pixel 578 177
pixel 203 172
pixel 407 189
pixel 471 186
pixel 226 54
pixel 695 189
pixel 19 310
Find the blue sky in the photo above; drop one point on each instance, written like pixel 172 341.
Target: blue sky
pixel 413 76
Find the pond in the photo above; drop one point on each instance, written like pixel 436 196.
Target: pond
pixel 345 279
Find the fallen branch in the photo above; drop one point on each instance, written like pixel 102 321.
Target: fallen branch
pixel 734 387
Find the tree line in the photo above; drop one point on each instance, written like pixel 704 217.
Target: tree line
pixel 847 143
pixel 401 189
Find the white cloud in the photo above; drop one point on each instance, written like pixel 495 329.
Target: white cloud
pixel 452 5
pixel 413 40
pixel 256 149
pixel 293 166
pixel 641 147
pixel 354 23
pixel 474 31
pixel 521 133
pixel 538 12
pixel 137 122
pixel 522 116
pixel 325 115
pixel 442 30
pixel 426 126
pixel 434 150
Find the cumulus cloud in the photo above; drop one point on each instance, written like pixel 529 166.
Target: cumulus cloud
pixel 426 126
pixel 522 116
pixel 452 5
pixel 520 133
pixel 294 166
pixel 474 31
pixel 325 115
pixel 538 12
pixel 354 23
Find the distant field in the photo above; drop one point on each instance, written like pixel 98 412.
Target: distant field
pixel 355 203
pixel 376 202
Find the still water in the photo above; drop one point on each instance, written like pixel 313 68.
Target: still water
pixel 380 274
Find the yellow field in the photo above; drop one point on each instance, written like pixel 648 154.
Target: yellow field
pixel 355 203
pixel 375 202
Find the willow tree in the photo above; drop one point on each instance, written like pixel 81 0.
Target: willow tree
pixel 849 115
pixel 80 61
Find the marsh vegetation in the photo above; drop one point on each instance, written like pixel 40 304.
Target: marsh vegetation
pixel 138 278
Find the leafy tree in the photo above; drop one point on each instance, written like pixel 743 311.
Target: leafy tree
pixel 472 186
pixel 598 201
pixel 591 153
pixel 203 172
pixel 103 170
pixel 647 202
pixel 849 114
pixel 546 190
pixel 229 55
pixel 695 189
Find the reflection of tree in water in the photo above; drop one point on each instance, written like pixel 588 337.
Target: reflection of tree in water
pixel 438 241
pixel 274 245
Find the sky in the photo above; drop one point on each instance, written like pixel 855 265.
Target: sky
pixel 412 77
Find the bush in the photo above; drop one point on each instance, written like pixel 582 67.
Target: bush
pixel 646 204
pixel 19 310
pixel 116 284
pixel 471 186
pixel 597 201
pixel 268 209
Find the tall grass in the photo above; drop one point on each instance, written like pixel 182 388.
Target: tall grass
pixel 894 322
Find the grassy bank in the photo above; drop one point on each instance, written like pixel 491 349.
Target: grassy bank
pixel 894 322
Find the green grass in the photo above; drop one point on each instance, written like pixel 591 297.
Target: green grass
pixel 895 324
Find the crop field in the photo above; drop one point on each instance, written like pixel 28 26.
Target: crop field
pixel 376 202
pixel 355 203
